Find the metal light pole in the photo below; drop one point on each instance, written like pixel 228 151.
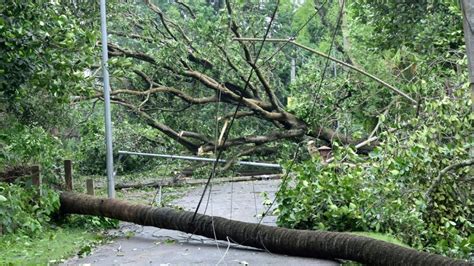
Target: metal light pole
pixel 468 25
pixel 293 70
pixel 108 120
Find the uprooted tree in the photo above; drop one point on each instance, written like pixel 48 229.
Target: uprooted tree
pixel 178 72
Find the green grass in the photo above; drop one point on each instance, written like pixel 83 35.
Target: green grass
pixel 50 247
pixel 143 195
pixel 383 237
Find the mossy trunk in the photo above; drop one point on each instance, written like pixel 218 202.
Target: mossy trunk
pixel 324 245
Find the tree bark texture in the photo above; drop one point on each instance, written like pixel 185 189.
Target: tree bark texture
pixel 317 244
pixel 10 175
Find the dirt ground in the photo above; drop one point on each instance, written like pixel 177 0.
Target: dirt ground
pixel 139 245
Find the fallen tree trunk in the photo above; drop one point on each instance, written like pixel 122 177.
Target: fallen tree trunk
pixel 317 244
pixel 191 181
pixel 10 175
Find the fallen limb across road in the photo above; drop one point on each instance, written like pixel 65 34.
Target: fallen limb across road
pixel 169 182
pixel 317 244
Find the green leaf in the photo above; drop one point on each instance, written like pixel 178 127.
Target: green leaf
pixel 394 172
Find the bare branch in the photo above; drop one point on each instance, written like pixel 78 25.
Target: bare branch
pixel 114 50
pixel 185 97
pixel 294 133
pixel 329 135
pixel 195 135
pixel 394 89
pixel 248 57
pixel 157 125
pixel 173 91
pixel 238 115
pixel 133 36
pixel 187 7
pixel 165 21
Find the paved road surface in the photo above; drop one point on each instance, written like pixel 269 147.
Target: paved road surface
pixel 154 246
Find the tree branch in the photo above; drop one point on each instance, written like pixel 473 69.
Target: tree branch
pixel 248 57
pixel 161 127
pixel 114 50
pixel 133 36
pixel 197 136
pixel 238 115
pixel 385 84
pixel 294 133
pixel 185 97
pixel 234 67
pixel 439 178
pixel 251 150
pixel 187 7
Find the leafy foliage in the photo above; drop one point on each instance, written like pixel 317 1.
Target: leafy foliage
pixel 45 55
pixel 91 222
pixel 31 235
pixel 385 193
pixel 23 214
pixel 128 134
pixel 24 145
pixel 44 51
pixel 423 26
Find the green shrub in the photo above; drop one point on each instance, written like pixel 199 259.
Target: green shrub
pixel 90 222
pixel 21 213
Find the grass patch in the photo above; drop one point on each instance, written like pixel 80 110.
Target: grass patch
pixel 147 195
pixel 143 195
pixel 52 246
pixel 383 237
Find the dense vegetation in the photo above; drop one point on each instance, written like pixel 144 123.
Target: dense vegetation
pixel 178 76
pixel 405 186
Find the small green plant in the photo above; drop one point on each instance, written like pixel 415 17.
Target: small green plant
pixel 90 222
pixel 169 241
pixel 266 199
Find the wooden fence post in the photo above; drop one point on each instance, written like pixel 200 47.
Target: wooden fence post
pixel 90 186
pixel 68 174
